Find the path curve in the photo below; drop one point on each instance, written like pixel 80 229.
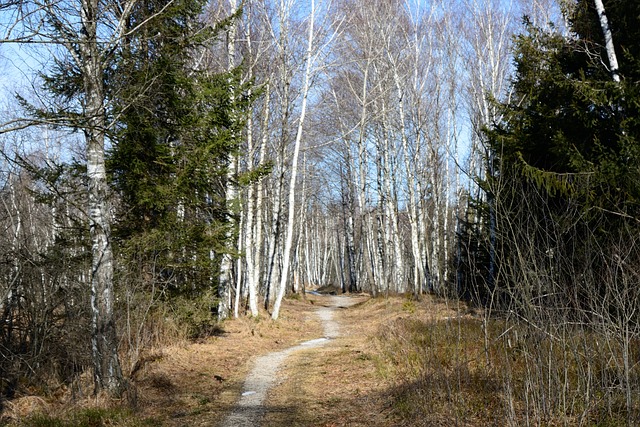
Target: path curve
pixel 250 409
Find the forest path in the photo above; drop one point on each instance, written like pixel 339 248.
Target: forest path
pixel 250 409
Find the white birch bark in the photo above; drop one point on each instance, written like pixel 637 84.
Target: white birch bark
pixel 310 250
pixel 347 178
pixel 251 238
pixel 274 235
pixel 249 234
pixel 11 290
pixel 294 167
pixel 240 289
pixel 258 241
pixel 298 276
pixel 608 40
pixel 284 89
pixel 381 265
pixel 348 217
pixel 107 371
pixel 395 258
pixel 374 266
pixel 411 186
pixel 231 193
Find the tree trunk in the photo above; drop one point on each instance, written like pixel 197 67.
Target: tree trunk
pixel 608 40
pixel 250 240
pixel 418 272
pixel 231 194
pixel 104 341
pixel 257 265
pixel 294 169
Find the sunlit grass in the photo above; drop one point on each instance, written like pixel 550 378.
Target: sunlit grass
pixel 451 371
pixel 91 417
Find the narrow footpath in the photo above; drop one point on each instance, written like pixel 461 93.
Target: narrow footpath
pixel 250 409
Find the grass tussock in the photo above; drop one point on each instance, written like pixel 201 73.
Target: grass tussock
pixel 479 372
pixel 91 417
pixel 439 372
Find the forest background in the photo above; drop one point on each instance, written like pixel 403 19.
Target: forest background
pixel 170 164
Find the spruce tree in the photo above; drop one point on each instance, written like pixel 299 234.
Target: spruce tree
pixel 566 156
pixel 168 162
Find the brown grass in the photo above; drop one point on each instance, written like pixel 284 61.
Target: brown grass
pixel 397 362
pixel 195 384
pixel 189 383
pixel 346 383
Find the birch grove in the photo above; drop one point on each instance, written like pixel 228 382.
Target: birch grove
pixel 361 156
pixel 377 95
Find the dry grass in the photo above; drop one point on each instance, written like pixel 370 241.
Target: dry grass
pixel 443 372
pixel 188 383
pixel 440 373
pixel 196 384
pixel 397 362
pixel 346 383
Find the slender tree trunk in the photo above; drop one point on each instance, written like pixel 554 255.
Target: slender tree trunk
pixel 299 277
pixel 276 213
pixel 258 241
pixel 608 40
pixel 411 185
pixel 252 222
pixel 329 248
pixel 231 194
pixel 250 241
pixel 11 299
pixel 104 341
pixel 294 169
pixel 366 226
pixel 383 229
pixel 351 252
pixel 396 262
pixel 310 251
pixel 285 86
pixel 348 221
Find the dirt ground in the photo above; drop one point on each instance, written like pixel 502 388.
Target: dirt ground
pixel 197 384
pixel 337 384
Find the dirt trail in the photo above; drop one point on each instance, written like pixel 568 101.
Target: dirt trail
pixel 250 409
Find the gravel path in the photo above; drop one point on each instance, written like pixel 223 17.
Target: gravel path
pixel 249 410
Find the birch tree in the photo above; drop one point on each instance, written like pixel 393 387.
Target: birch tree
pixel 257 53
pixel 226 264
pixel 83 38
pixel 608 40
pixel 309 59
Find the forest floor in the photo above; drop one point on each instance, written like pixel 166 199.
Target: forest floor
pixel 341 382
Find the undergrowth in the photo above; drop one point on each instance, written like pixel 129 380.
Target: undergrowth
pixel 438 372
pixel 448 372
pixel 90 417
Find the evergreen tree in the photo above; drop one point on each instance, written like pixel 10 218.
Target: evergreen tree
pixel 168 163
pixel 566 156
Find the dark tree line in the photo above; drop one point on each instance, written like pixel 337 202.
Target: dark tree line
pixel 564 160
pixel 553 245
